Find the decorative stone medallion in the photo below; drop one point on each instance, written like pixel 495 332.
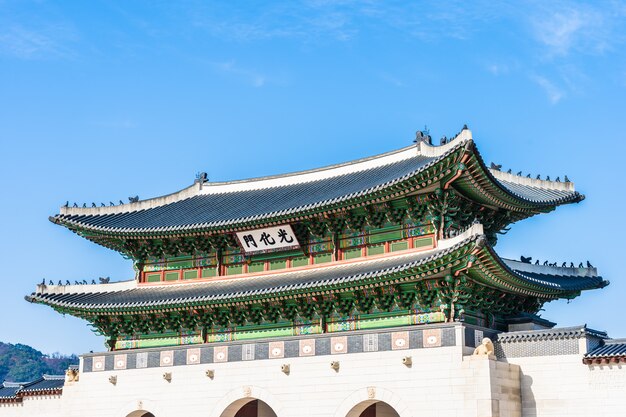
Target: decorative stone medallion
pixel 193 356
pixel 97 363
pixel 432 338
pixel 167 358
pixel 119 362
pixel 399 340
pixel 339 344
pixel 371 393
pixel 277 350
pixel 220 354
pixel 307 347
pixel 141 361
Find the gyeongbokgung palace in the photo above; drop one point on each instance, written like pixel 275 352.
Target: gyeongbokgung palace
pixel 368 288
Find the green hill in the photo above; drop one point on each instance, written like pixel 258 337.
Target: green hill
pixel 21 363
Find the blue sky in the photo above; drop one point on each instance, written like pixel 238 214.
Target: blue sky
pixel 102 100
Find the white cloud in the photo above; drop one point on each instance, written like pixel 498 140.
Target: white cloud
pixel 554 93
pixel 563 28
pixel 251 77
pixel 25 43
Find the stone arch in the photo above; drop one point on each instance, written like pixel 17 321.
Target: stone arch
pixel 232 402
pixel 140 408
pixel 363 398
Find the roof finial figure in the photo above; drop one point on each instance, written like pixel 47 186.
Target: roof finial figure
pixel 443 140
pixel 423 136
pixel 526 260
pixel 528 176
pixel 571 264
pixel 111 203
pixel 84 205
pixel 465 127
pixel 93 204
pixel 510 171
pixel 121 202
pixel 538 176
pixel 566 179
pixel 104 280
pixel 548 178
pixel 564 265
pixel 43 282
pixel 558 179
pixel 133 199
pixel 537 262
pixel 580 265
pixel 589 265
pixel 93 282
pixel 202 177
pixel 75 205
pixel 496 167
pixel 519 173
pixel 67 204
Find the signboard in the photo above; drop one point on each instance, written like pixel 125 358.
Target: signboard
pixel 268 239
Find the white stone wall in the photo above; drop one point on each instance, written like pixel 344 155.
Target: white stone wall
pixel 440 382
pixel 563 386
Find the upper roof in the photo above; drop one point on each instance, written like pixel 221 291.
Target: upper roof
pixel 512 277
pixel 236 204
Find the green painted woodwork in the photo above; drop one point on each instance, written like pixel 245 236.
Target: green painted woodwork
pixel 396 246
pixel 234 269
pixel 322 258
pixel 190 274
pixel 256 267
pixel 208 272
pixel 352 253
pixel 258 334
pixel 172 276
pixel 276 255
pixel 423 242
pixel 301 261
pixel 375 250
pixel 155 277
pixel 384 234
pixel 278 264
pixel 181 264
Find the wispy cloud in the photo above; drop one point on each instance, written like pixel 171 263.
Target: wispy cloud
pixel 554 93
pixel 249 76
pixel 564 28
pixel 27 43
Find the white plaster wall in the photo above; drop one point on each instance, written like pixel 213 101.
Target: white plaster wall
pixel 439 383
pixel 563 386
pixel 44 406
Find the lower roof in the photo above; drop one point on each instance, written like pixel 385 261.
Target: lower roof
pixel 513 276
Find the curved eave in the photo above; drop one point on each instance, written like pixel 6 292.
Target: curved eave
pixel 424 176
pixel 510 192
pixel 453 255
pixel 546 283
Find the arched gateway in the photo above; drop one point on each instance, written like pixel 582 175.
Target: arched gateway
pixel 248 407
pixel 372 408
pixel 140 413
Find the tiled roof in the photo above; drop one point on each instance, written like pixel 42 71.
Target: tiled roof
pixel 247 286
pixel 44 384
pixel 8 391
pixel 563 278
pixel 47 384
pixel 211 205
pixel 574 332
pixel 133 296
pixel 611 350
